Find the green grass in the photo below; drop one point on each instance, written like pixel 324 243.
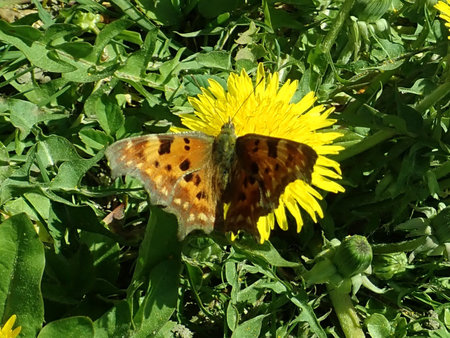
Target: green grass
pixel 107 264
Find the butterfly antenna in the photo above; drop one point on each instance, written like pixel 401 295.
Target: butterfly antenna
pixel 246 99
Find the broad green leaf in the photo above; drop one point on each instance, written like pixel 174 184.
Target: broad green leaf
pixel 232 316
pixel 21 268
pixel 114 323
pixel 157 272
pixel 63 218
pixel 164 12
pixel 250 328
pixel 56 149
pixel 77 50
pixel 95 139
pixel 378 326
pixel 71 327
pixel 215 59
pixel 159 244
pixel 24 115
pixel 67 280
pixel 108 33
pixel 5 168
pixel 160 300
pixel 34 204
pixel 265 251
pixel 105 253
pixel 109 115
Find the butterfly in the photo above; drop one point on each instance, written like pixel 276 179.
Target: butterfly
pixel 197 176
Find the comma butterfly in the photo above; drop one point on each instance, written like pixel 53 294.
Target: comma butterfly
pixel 193 175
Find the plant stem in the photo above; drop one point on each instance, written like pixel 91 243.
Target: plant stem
pixel 343 15
pixel 345 311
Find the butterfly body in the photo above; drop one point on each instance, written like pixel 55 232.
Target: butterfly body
pixel 195 175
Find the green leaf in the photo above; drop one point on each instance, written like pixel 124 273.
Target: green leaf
pixel 109 114
pixel 26 40
pixel 265 251
pixel 250 328
pixel 95 139
pixel 72 327
pixel 232 316
pixel 157 272
pixel 160 243
pixel 34 204
pixel 77 50
pixel 160 300
pixel 24 115
pixel 215 59
pixel 55 149
pixel 22 261
pixel 5 168
pixel 378 326
pixel 114 323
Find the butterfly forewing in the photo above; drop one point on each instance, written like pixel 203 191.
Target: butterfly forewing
pixel 265 166
pixel 175 169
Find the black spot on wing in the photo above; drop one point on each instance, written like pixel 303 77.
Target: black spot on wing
pixel 200 195
pixel 188 177
pixel 168 167
pixel 185 165
pixel 272 146
pixel 164 145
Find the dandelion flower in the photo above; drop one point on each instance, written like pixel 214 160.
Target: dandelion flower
pixel 7 332
pixel 444 8
pixel 266 109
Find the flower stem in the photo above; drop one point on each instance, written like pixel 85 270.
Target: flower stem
pixel 345 311
pixel 343 15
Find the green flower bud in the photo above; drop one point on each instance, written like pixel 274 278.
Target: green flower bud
pixel 387 265
pixel 353 256
pixel 87 21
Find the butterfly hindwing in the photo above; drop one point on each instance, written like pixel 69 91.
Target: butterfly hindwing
pixel 264 167
pixel 174 168
pixel 245 204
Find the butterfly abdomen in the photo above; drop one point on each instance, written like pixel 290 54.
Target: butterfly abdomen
pixel 224 155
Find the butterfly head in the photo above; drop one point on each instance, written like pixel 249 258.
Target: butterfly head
pixel 226 141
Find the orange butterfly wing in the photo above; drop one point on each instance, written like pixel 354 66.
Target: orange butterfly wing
pixel 175 170
pixel 264 167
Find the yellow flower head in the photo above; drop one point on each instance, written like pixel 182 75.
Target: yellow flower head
pixel 6 332
pixel 264 108
pixel 444 8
